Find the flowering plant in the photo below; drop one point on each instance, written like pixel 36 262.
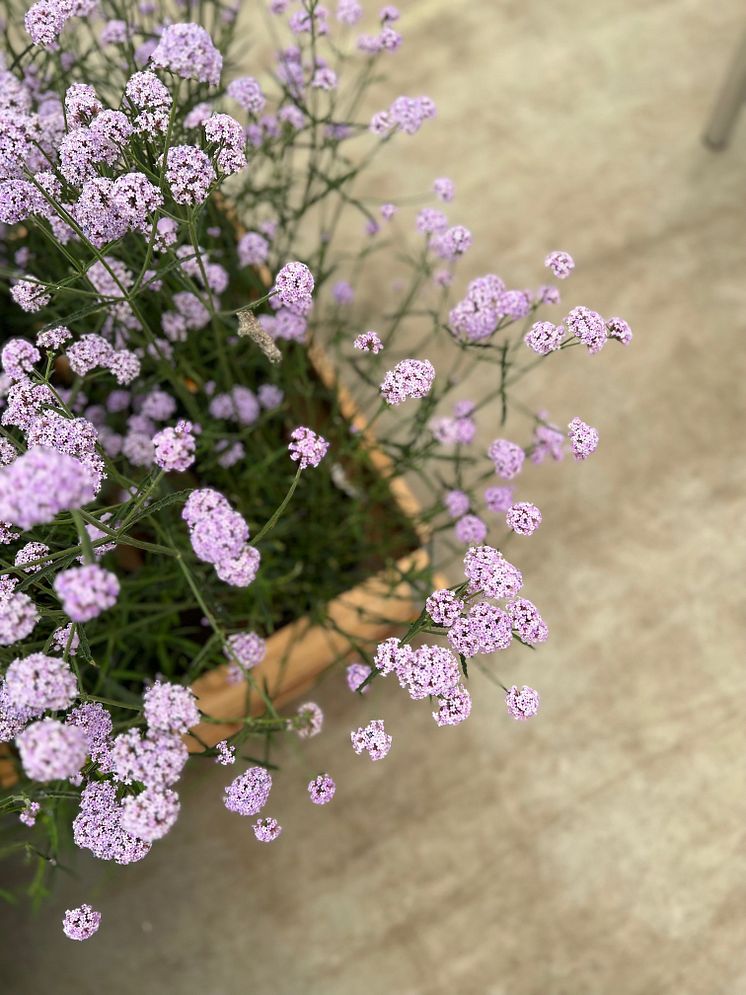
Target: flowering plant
pixel 161 408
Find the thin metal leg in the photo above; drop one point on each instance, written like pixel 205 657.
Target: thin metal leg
pixel 728 104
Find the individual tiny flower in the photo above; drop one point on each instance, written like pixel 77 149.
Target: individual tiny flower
pixel 173 448
pixel 444 188
pixel 544 337
pixel 247 794
pixel 170 707
pixel 368 342
pixel 444 607
pixel 311 720
pixel 293 288
pixel 507 457
pixel 321 789
pixel 522 703
pixel 226 754
pixel 86 591
pixel 267 830
pixel 307 448
pixel 470 530
pixel 454 708
pixel 81 923
pixel 619 329
pixel 560 263
pixel 29 814
pixel 188 51
pixel 151 814
pixel 409 378
pixel 589 327
pixel 38 683
pixel 523 518
pixel 51 751
pixel 357 674
pixel 373 739
pixel 498 499
pixel 583 439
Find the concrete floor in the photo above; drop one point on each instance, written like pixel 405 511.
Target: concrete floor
pixel 600 849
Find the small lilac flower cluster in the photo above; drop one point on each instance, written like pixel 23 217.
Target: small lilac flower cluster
pixel 219 535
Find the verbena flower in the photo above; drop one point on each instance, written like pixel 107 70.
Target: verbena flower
pixel 523 518
pixel 81 923
pixel 187 50
pixel 247 794
pixel 267 830
pixel 306 447
pixel 38 683
pixel 409 378
pixel 86 591
pixel 522 703
pixel 583 440
pixel 372 739
pixel 50 750
pixel 321 789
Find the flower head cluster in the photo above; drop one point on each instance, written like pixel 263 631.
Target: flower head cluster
pixel 488 571
pixel 371 739
pixel 267 830
pixel 453 708
pixel 173 448
pixel 444 607
pixel 170 707
pixel 38 683
pixel 356 675
pixel 507 457
pixel 589 327
pixel 368 342
pixel 40 484
pixel 523 518
pixel 219 535
pixel 86 591
pixel 81 923
pixel 544 337
pixel 187 50
pixel 51 750
pixel 294 288
pixel 583 439
pixel 409 378
pixel 98 826
pixel 247 794
pixel 307 448
pixel 321 789
pixel 560 263
pixel 310 720
pixel 522 703
pixel 486 629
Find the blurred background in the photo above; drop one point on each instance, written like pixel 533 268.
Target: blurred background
pixel 601 848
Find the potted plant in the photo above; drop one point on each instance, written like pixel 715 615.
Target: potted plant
pixel 196 516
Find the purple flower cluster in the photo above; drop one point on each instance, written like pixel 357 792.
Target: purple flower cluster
pixel 487 571
pixel 522 703
pixel 372 739
pixel 523 518
pixel 356 674
pixel 307 448
pixel 37 683
pixel 507 457
pixel 267 830
pixel 589 327
pixel 293 288
pixel 40 484
pixel 444 607
pixel 86 591
pixel 583 440
pixel 226 133
pixel 189 174
pixel 247 794
pixel 247 92
pixel 226 753
pixel 409 378
pixel 368 342
pixel 544 337
pixel 187 50
pixel 51 750
pixel 81 923
pixel 98 826
pixel 527 622
pixel 219 535
pixel 486 629
pixel 173 448
pixel 560 263
pixel 311 720
pixel 321 789
pixel 170 708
